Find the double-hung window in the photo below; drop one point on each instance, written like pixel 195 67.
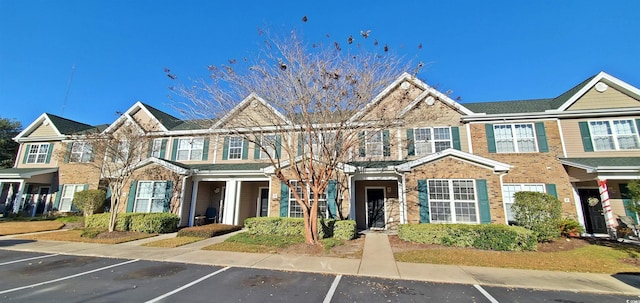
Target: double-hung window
pixel 430 140
pixel 374 144
pixel 80 152
pixel 120 154
pixel 156 148
pixel 268 143
pixel 453 201
pixel 151 197
pixel 190 149
pixel 38 153
pixel 614 135
pixel 295 211
pixel 515 138
pixel 235 148
pixel 508 190
pixel 66 196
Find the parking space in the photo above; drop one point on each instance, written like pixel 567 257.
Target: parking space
pixel 38 277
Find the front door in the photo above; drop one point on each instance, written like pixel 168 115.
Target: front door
pixel 375 208
pixel 263 207
pixel 593 214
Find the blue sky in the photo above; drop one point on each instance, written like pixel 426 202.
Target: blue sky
pixel 481 50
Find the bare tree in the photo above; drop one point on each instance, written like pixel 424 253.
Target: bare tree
pixel 306 108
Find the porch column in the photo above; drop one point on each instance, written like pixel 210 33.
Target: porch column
pixel 352 198
pixel 402 200
pixel 230 200
pixel 17 202
pixel 194 198
pixel 606 206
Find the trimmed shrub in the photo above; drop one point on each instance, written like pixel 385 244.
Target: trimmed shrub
pixel 141 222
pixel 154 223
pixel 207 231
pixel 89 201
pixel 295 227
pixel 344 229
pixel 485 236
pixel 538 212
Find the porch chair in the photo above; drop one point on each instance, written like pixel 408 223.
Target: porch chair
pixel 211 215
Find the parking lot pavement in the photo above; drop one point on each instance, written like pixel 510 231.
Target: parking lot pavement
pixel 41 277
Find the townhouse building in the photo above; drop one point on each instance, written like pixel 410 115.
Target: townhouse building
pixel 441 162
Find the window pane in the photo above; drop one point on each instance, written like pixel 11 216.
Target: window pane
pixel 526 137
pixel 441 133
pixel 504 138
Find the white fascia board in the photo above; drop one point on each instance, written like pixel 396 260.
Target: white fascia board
pixel 380 96
pixel 607 112
pixel 40 139
pixel 495 165
pixel 230 174
pixel 27 175
pixel 153 160
pixel 41 119
pixel 602 76
pixel 146 110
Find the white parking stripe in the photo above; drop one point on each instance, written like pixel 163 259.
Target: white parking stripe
pixel 67 277
pixel 29 259
pixel 485 293
pixel 156 299
pixel 332 289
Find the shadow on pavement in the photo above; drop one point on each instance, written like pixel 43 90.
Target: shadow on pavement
pixel 12 242
pixel 630 278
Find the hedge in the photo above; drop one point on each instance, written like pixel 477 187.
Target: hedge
pixel 139 222
pixel 327 228
pixel 485 236
pixel 207 231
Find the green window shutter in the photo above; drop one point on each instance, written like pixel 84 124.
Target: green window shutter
pixel 637 126
pixel 245 149
pixel 411 147
pixel 107 199
pixel 150 148
pixel 56 203
pixel 174 150
pixel 86 187
pixel 483 201
pixel 586 136
pixel 163 148
pixel 278 146
pixel 361 145
pixel 300 142
pixel 225 149
pixel 26 153
pixel 386 146
pixel 551 189
pixel 256 148
pixel 132 197
pixel 284 200
pixel 423 201
pixel 167 196
pixel 49 151
pixel 67 154
pixel 332 205
pixel 455 137
pixel 628 202
pixel 491 139
pixel 541 135
pixel 205 149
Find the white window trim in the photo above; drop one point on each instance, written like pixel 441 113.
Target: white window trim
pixel 82 153
pixel 70 199
pixel 614 134
pixel 521 185
pixel 38 153
pixel 156 148
pixel 190 150
pixel 516 148
pixel 325 213
pixel 153 182
pixel 368 142
pixel 452 201
pixel 432 141
pixel 241 147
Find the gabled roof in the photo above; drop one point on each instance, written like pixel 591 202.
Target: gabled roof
pixel 417 82
pixel 564 97
pixel 482 161
pixel 61 126
pixel 168 121
pixel 243 104
pixel 165 120
pixel 604 164
pixel 567 99
pixel 516 106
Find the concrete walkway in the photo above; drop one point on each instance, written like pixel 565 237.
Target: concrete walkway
pixel 377 260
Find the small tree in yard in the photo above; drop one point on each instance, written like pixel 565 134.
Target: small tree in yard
pixel 89 201
pixel 8 148
pixel 538 212
pixel 634 194
pixel 304 99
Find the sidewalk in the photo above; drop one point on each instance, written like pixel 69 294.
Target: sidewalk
pixel 377 260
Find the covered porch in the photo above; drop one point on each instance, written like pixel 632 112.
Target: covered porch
pixel 28 191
